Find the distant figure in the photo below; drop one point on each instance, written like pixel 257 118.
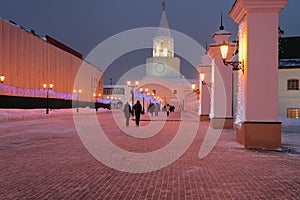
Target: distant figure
pixel 137 111
pixel 151 108
pixel 172 109
pixel 156 109
pixel 127 112
pixel 163 109
pixel 168 109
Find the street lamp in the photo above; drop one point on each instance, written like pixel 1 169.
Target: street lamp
pixel 132 85
pixel 77 92
pixel 48 87
pixel 2 78
pixel 195 88
pixel 202 79
pixel 151 94
pixel 144 91
pixel 95 96
pixel 236 65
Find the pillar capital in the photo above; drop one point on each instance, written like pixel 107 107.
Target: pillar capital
pixel 242 7
pixel 221 36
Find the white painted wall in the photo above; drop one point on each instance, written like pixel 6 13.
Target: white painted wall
pixel 287 98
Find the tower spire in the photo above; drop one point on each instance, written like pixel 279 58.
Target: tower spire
pixel 164 5
pixel 163 29
pixel 221 27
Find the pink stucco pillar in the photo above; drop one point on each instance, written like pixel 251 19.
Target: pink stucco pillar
pixel 221 90
pixel 205 88
pixel 258 50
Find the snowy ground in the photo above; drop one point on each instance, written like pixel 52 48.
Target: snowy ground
pixel 290 127
pixel 27 114
pixel 289 122
pixel 17 114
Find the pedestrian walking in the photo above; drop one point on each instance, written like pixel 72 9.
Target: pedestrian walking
pixel 151 108
pixel 137 111
pixel 168 109
pixel 156 109
pixel 127 112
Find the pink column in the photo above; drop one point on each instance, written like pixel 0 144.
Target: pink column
pixel 205 88
pixel 221 109
pixel 258 49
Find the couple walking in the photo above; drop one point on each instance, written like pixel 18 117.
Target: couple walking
pixel 137 109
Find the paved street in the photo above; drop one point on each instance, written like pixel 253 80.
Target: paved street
pixel 45 159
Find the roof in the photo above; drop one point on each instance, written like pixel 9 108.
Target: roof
pixel 289 52
pixel 289 63
pixel 163 29
pixel 62 46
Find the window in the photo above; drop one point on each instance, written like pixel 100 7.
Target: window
pixel 293 84
pixel 293 113
pixel 108 91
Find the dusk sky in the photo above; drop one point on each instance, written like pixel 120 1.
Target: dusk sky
pixel 83 24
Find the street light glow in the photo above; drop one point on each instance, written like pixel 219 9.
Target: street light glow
pixel 2 78
pixel 193 85
pixel 202 76
pixel 224 50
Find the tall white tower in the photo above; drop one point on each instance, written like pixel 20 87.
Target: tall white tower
pixel 163 63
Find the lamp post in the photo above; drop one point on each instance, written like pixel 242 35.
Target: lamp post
pixel 236 65
pixel 150 94
pixel 95 96
pixel 2 78
pixel 132 85
pixel 48 87
pixel 143 91
pixel 77 92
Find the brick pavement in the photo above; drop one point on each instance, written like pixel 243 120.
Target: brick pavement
pixel 45 159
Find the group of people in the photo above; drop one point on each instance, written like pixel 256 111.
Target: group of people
pixel 137 110
pixel 168 109
pixel 154 108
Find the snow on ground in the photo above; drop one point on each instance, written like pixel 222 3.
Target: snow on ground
pixel 289 121
pixel 19 114
pixel 26 114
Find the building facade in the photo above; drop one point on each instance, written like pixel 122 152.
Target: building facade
pixel 288 77
pixel 28 61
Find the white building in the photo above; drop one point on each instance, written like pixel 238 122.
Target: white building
pixel 288 77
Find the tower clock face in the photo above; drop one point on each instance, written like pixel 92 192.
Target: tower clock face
pixel 160 67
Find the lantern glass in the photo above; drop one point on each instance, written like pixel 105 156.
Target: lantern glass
pixel 224 50
pixel 193 85
pixel 202 76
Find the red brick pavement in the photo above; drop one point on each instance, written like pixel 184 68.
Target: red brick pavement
pixel 45 159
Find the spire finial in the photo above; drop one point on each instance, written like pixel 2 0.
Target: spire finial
pixel 221 27
pixel 164 5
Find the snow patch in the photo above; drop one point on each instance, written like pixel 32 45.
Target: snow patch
pixel 27 114
pixel 289 121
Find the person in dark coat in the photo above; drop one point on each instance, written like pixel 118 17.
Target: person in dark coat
pixel 137 111
pixel 168 109
pixel 127 112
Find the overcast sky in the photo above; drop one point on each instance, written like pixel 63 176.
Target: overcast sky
pixel 83 24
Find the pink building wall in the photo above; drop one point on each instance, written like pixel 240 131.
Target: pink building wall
pixel 28 61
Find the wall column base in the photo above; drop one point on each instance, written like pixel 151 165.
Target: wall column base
pixel 204 117
pixel 221 123
pixel 259 134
